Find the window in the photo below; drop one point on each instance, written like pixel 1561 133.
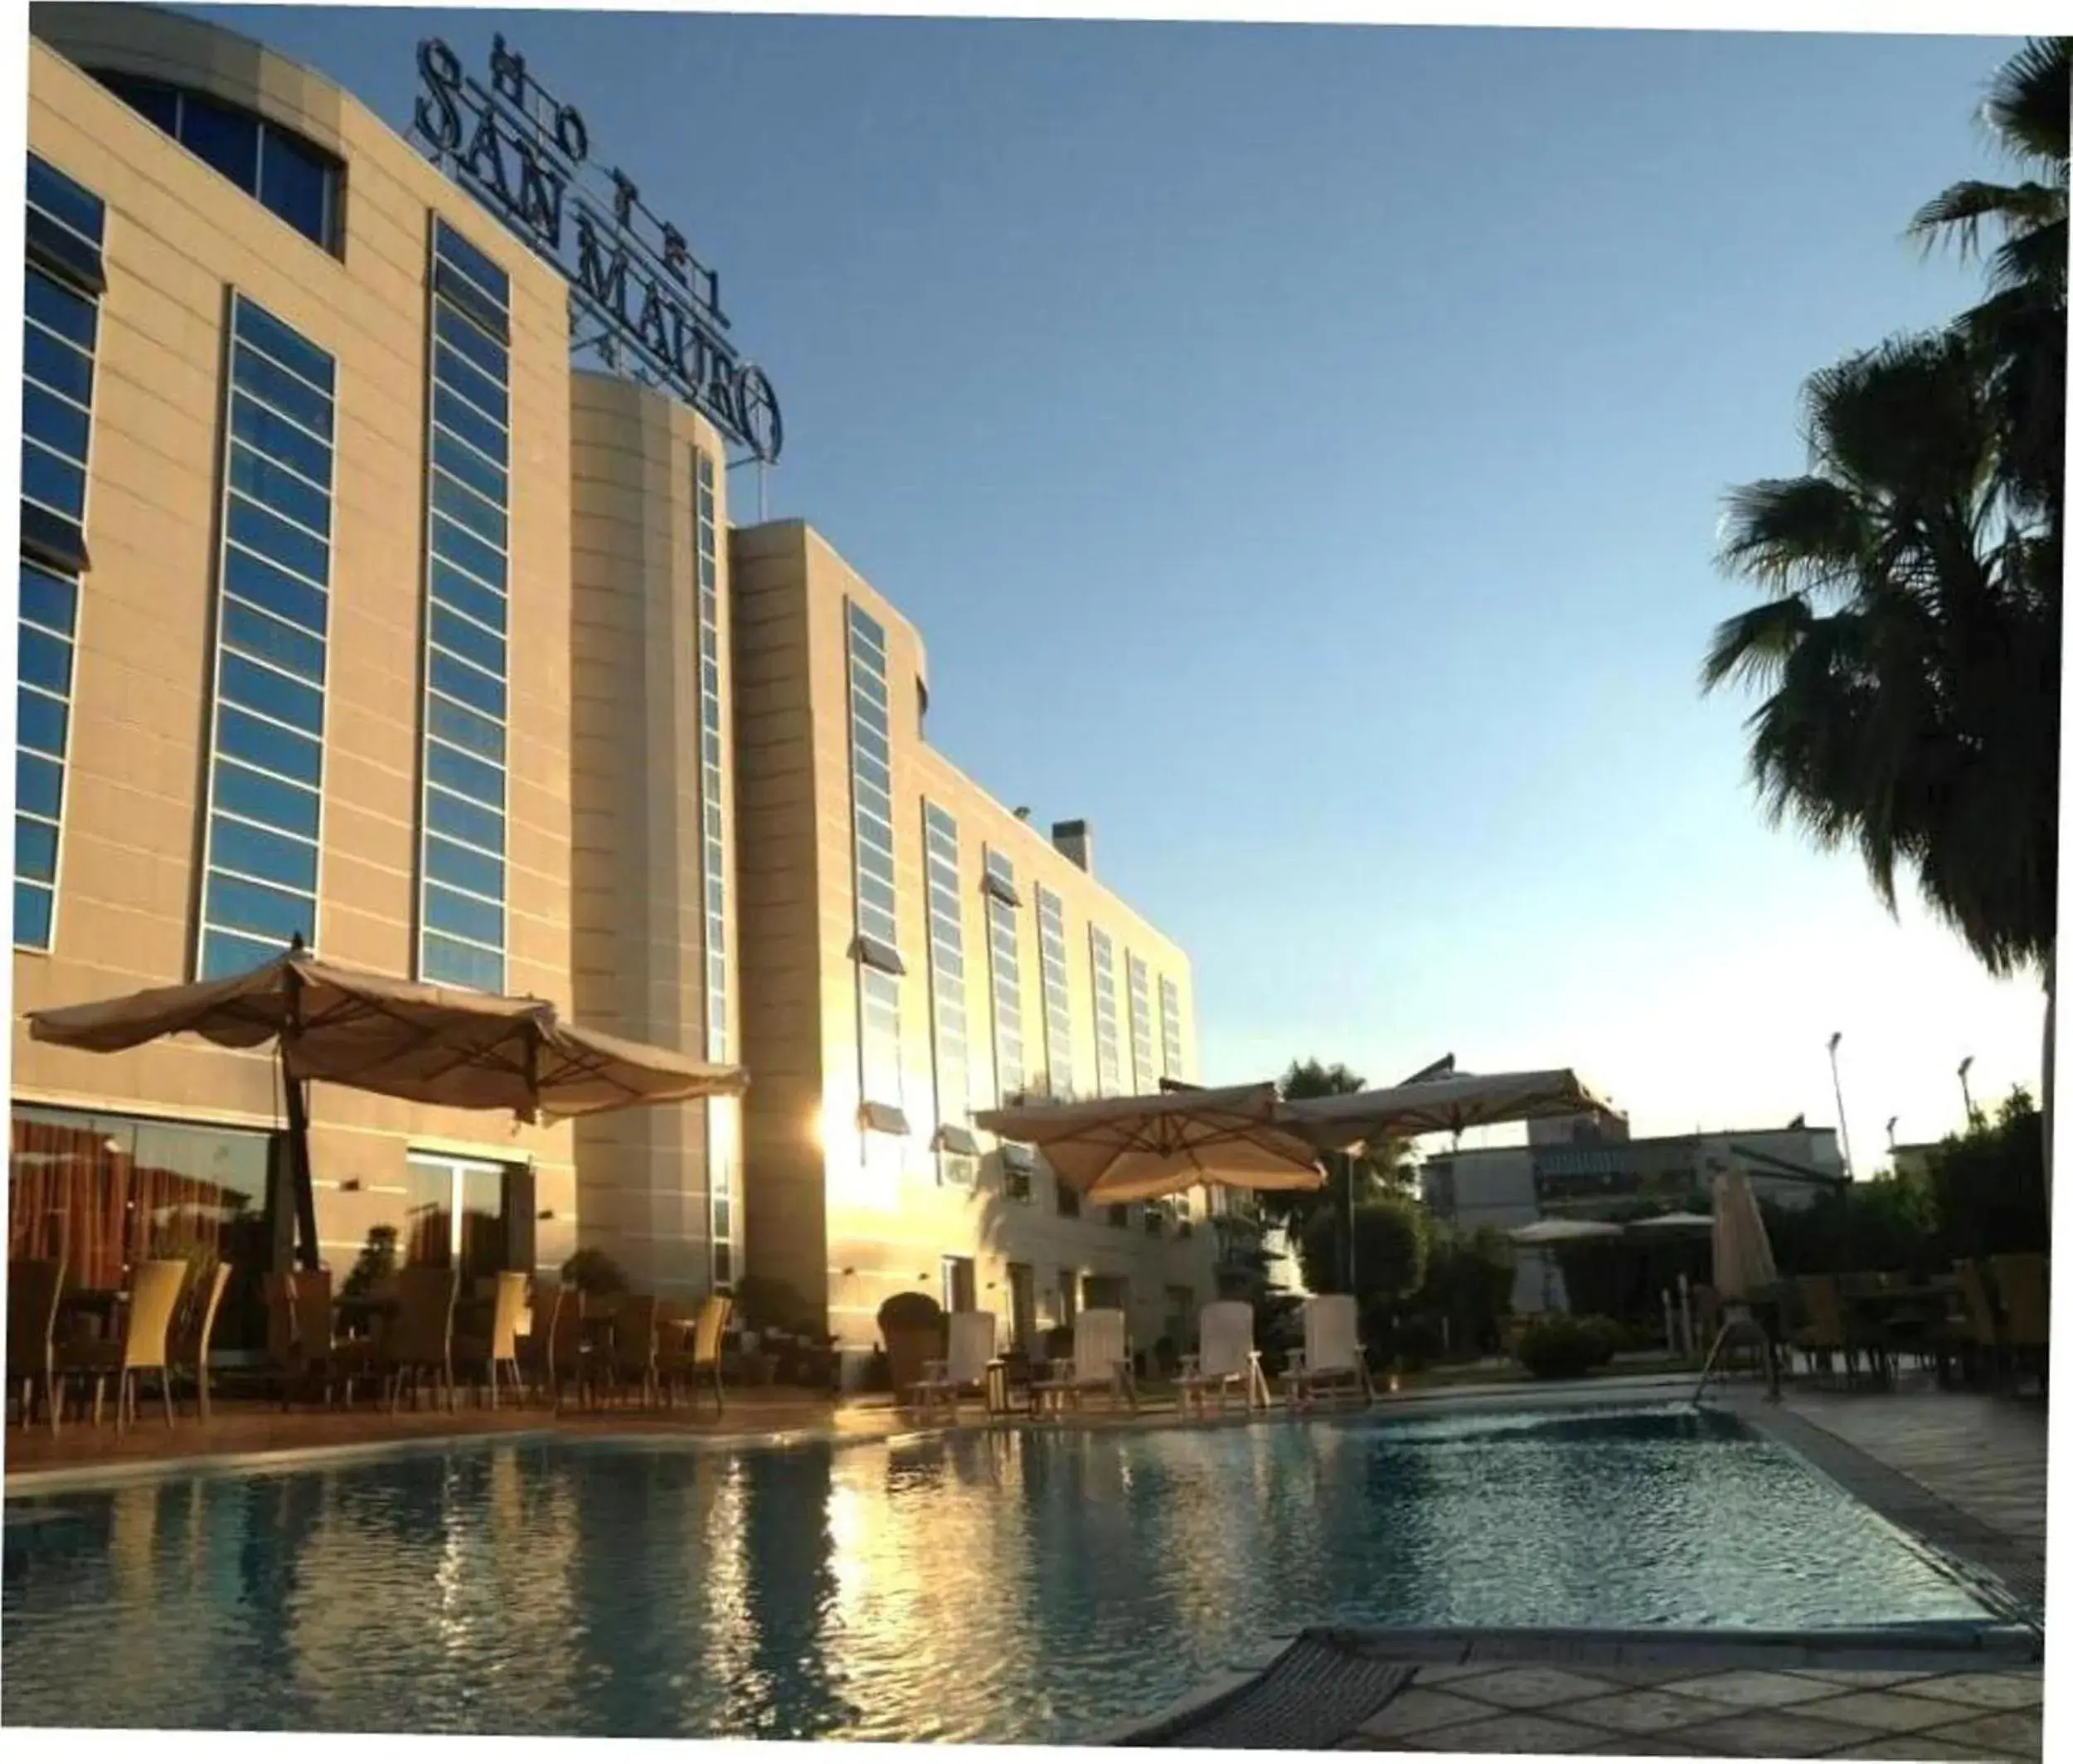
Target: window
pixel 1170 1028
pixel 1143 1073
pixel 948 1027
pixel 1018 1169
pixel 1051 958
pixel 1021 1305
pixel 877 901
pixel 61 326
pixel 459 1216
pixel 720 1142
pixel 1068 1296
pixel 463 929
pixel 1068 1197
pixel 1108 1061
pixel 960 1284
pixel 1003 947
pixel 287 175
pixel 1120 1215
pixel 265 785
pixel 108 1191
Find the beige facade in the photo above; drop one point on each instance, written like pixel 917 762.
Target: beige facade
pixel 849 1203
pixel 181 241
pixel 557 544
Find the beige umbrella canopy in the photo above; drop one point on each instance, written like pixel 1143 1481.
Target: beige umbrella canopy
pixel 429 1044
pixel 1742 1261
pixel 1446 1105
pixel 1119 1148
pixel 1541 1232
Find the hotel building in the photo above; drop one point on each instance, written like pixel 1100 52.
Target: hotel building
pixel 351 608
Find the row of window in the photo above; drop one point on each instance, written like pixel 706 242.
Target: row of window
pixel 720 1162
pixel 64 225
pixel 877 922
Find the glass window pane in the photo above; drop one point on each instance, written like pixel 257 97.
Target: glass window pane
pixel 67 312
pixel 48 599
pixel 464 820
pixel 453 541
pixel 31 916
pixel 220 137
pixel 263 331
pixel 251 851
pixel 481 475
pixel 464 728
pixel 263 912
pixel 271 536
pixel 450 368
pixel 39 784
pixel 484 604
pixel 484 353
pixel 265 744
pixel 470 685
pixel 279 489
pixel 259 633
pixel 264 379
pixel 54 483
pixel 465 420
pixel 60 426
pixel 261 689
pixel 253 578
pixel 451 769
pixel 462 915
pixel 274 435
pixel 157 104
pixel 39 721
pixel 45 660
pixel 296 185
pixel 52 362
pixel 472 263
pixel 35 848
pixel 480 517
pixel 449 964
pixel 463 868
pixel 57 195
pixel 267 800
pixel 470 642
pixel 226 953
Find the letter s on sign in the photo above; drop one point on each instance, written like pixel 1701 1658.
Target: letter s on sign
pixel 755 411
pixel 438 114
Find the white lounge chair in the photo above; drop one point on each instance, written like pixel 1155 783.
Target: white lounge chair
pixel 1101 1361
pixel 971 1345
pixel 1227 1358
pixel 1331 1355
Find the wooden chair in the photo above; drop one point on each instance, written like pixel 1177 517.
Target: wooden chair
pixel 569 1361
pixel 1979 1327
pixel 2024 1282
pixel 34 1289
pixel 499 1350
pixel 633 1357
pixel 1828 1331
pixel 536 1347
pixel 195 1328
pixel 419 1339
pixel 154 1291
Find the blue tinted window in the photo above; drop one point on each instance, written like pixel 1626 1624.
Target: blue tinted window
pixel 226 953
pixel 48 599
pixel 255 580
pixel 480 517
pixel 57 484
pixel 459 546
pixel 260 634
pixel 225 140
pixel 465 420
pixel 471 642
pixel 74 316
pixel 279 489
pixel 480 474
pixel 463 915
pixel 275 913
pixel 271 694
pixel 268 857
pixel 51 362
pixel 40 722
pixel 45 660
pixel 464 820
pixel 464 868
pixel 484 605
pixel 274 435
pixel 263 331
pixel 296 185
pixel 477 387
pixel 485 353
pixel 38 785
pixel 258 798
pixel 63 200
pixel 34 849
pixel 470 685
pixel 270 382
pixel 157 104
pixel 451 769
pixel 52 420
pixel 244 737
pixel 273 537
pixel 31 916
pixel 471 263
pixel 465 728
pixel 446 962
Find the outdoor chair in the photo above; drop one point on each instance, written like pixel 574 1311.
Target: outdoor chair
pixel 33 1290
pixel 632 1356
pixel 1331 1356
pixel 196 1328
pixel 1979 1328
pixel 536 1347
pixel 688 1365
pixel 569 1358
pixel 2024 1284
pixel 314 1358
pixel 964 1367
pixel 1226 1358
pixel 1101 1361
pixel 496 1353
pixel 1829 1330
pixel 154 1291
pixel 419 1338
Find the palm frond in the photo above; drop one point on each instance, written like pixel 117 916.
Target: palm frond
pixel 1957 215
pixel 2029 102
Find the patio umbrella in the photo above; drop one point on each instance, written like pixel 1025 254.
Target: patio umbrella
pixel 371 1031
pixel 1672 1224
pixel 1742 1261
pixel 1542 1232
pixel 1121 1148
pixel 1444 1105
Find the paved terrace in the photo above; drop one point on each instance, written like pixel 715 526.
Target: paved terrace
pixel 1964 1472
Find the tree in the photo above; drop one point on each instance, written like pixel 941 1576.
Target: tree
pixel 1988 1184
pixel 1468 1280
pixel 1390 1235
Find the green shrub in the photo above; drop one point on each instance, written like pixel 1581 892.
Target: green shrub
pixel 594 1274
pixel 1604 1337
pixel 910 1310
pixel 764 1302
pixel 1563 1347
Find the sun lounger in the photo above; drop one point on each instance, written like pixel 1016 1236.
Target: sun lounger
pixel 1101 1361
pixel 971 1345
pixel 1227 1358
pixel 1331 1359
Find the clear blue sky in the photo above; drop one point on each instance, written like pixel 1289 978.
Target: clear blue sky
pixel 1302 450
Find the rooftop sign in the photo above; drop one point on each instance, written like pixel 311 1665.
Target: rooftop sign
pixel 520 151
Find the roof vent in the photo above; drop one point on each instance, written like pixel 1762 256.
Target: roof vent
pixel 1074 839
pixel 1022 814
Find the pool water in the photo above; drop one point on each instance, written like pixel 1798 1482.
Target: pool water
pixel 999 1586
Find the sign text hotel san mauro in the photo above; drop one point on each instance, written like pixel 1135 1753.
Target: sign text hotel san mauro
pixel 514 146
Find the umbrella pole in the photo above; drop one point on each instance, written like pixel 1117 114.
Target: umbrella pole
pixel 299 1170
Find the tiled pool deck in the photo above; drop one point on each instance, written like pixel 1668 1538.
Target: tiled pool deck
pixel 1965 1473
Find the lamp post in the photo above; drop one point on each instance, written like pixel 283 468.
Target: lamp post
pixel 1964 1087
pixel 1842 1123
pixel 1892 1121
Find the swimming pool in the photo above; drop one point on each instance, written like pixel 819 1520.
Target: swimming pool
pixel 1033 1585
